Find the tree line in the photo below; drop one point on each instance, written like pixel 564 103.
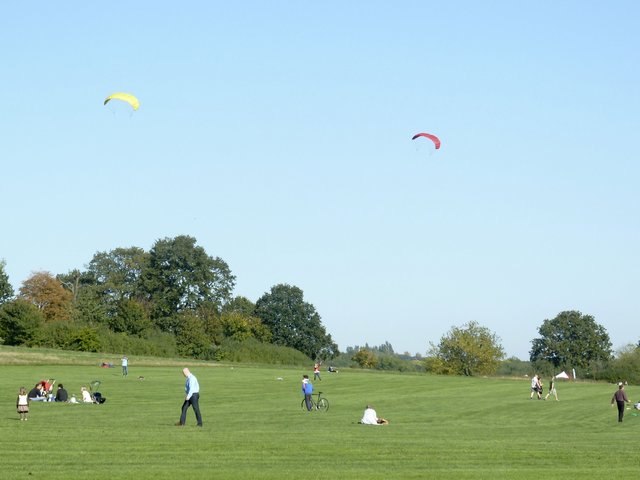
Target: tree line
pixel 174 298
pixel 570 341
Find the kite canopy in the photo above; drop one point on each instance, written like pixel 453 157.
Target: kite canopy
pixel 562 374
pixel 125 97
pixel 431 137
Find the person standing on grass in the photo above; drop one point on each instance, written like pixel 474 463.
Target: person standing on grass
pixel 552 389
pixel 22 403
pixel 192 398
pixel 307 391
pixel 316 372
pixel 620 398
pixel 125 366
pixel 536 387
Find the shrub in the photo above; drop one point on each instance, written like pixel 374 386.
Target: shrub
pixel 254 351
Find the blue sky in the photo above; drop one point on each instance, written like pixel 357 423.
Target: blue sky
pixel 278 134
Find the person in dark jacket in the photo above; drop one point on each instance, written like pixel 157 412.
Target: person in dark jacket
pixel 620 398
pixel 37 394
pixel 61 394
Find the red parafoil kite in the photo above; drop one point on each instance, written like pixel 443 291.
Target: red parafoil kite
pixel 433 138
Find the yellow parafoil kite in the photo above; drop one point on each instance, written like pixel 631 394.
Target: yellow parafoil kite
pixel 125 97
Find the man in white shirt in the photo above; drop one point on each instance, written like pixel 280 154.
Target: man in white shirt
pixel 370 417
pixel 536 387
pixel 125 366
pixel 192 398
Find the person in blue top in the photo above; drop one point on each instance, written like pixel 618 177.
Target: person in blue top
pixel 192 398
pixel 307 390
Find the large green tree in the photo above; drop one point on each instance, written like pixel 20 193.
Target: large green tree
pixel 294 322
pixel 181 276
pixel 6 290
pixel 468 350
pixel 117 275
pixel 571 339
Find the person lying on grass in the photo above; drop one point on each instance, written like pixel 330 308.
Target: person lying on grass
pixel 370 417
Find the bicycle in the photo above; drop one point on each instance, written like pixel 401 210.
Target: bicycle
pixel 320 403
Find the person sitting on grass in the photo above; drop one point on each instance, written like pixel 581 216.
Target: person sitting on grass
pixel 36 394
pixel 370 417
pixel 86 396
pixel 61 394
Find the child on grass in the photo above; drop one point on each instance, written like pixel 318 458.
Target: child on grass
pixel 22 404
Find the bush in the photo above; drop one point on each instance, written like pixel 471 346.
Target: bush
pixel 625 366
pixel 254 351
pixel 514 367
pixel 84 339
pixel 394 362
pixel 155 344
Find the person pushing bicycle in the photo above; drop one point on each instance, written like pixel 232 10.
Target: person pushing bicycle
pixel 307 391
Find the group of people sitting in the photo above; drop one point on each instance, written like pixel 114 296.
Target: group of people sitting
pixel 43 392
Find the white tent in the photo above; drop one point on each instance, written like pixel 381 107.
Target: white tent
pixel 562 374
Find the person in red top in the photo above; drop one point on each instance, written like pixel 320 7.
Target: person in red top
pixel 316 372
pixel 620 398
pixel 47 385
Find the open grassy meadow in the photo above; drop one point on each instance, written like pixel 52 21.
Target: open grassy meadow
pixel 441 427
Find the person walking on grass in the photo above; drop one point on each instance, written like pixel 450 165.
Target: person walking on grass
pixel 307 391
pixel 552 389
pixel 22 403
pixel 536 387
pixel 191 399
pixel 316 371
pixel 620 398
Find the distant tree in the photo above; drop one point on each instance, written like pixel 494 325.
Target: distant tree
pixel 20 323
pixel 624 367
pixel 191 337
pixel 116 275
pixel 294 322
pixel 88 307
pixel 241 327
pixel 365 358
pixel 6 290
pixel 130 318
pixel 514 367
pixel 73 281
pixel 385 348
pixel 83 339
pixel 571 339
pixel 470 350
pixel 48 295
pixel 241 305
pixel 181 277
pixel 209 314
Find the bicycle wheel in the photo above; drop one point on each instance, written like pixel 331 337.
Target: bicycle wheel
pixel 323 404
pixel 303 405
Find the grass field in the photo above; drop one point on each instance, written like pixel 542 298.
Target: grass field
pixel 441 427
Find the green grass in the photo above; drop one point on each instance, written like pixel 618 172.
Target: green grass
pixel 441 427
